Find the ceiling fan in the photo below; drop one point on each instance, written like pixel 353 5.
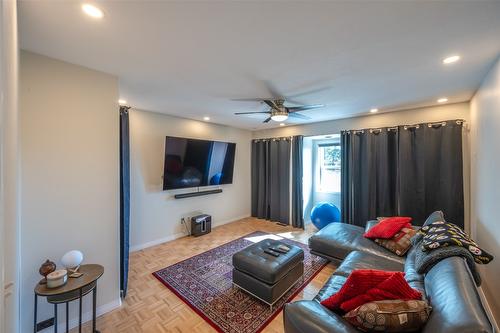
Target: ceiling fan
pixel 278 111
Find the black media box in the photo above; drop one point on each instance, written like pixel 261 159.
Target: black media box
pixel 201 225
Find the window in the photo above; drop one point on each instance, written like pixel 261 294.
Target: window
pixel 329 167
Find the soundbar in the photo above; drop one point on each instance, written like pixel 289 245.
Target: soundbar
pixel 197 194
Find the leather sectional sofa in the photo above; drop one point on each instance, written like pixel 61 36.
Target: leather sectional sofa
pixel 448 286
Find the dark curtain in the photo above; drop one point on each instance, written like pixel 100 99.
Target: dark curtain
pixel 345 177
pixel 260 179
pixel 368 175
pixel 408 170
pixel 124 198
pixel 271 179
pixel 297 170
pixel 431 171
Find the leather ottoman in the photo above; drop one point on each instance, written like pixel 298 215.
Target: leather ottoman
pixel 264 276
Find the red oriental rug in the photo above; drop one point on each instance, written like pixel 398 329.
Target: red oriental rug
pixel 204 282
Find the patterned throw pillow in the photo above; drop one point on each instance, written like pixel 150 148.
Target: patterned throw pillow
pixel 390 316
pixel 441 234
pixel 400 243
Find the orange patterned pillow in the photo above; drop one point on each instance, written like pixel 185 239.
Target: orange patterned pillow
pixel 400 243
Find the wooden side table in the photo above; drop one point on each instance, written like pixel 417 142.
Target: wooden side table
pixel 74 289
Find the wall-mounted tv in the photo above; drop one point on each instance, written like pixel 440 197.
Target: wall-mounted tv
pixel 193 163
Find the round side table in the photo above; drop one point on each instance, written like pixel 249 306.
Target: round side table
pixel 74 289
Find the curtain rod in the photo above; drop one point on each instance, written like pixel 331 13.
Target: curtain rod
pixel 274 139
pixel 406 127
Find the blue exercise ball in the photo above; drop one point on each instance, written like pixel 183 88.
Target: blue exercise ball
pixel 324 213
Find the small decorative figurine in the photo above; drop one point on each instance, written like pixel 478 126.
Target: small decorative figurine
pixel 45 269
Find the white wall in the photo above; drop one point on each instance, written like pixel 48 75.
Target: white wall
pixel 415 116
pixel 485 183
pixel 9 163
pixel 70 181
pixel 155 214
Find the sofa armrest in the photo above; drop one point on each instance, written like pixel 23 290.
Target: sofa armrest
pixel 370 224
pixel 312 317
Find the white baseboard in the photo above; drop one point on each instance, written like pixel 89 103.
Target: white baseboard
pixel 234 219
pixel 491 317
pixel 86 316
pixel 143 246
pixel 169 238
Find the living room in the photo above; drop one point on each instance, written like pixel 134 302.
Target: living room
pixel 213 166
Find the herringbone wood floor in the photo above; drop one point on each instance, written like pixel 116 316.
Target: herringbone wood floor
pixel 151 307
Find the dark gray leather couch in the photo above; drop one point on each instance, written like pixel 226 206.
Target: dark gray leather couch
pixel 448 286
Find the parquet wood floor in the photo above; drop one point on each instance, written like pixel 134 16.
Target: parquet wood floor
pixel 151 307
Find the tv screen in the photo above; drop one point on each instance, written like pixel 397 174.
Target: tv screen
pixel 193 163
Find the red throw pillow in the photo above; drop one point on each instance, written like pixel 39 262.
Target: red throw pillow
pixel 365 285
pixel 388 227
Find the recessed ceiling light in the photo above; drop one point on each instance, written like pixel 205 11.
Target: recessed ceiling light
pixel 373 110
pixel 442 100
pixel 282 124
pixel 451 59
pixel 92 10
pixel 122 102
pixel 206 118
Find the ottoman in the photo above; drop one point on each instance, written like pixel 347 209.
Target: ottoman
pixel 264 276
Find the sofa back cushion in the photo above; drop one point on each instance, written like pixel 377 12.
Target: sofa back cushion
pixel 456 304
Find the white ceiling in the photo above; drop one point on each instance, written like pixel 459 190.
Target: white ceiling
pixel 191 58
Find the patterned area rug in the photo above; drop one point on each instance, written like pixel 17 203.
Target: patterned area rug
pixel 204 282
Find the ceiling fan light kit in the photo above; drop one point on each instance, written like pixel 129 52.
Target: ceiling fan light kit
pixel 279 117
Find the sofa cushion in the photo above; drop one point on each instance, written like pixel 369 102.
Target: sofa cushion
pixel 371 224
pixel 363 260
pixel 334 283
pixel 312 317
pixel 337 240
pixel 456 304
pixel 434 217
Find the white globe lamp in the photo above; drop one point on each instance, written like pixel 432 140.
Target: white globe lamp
pixel 72 261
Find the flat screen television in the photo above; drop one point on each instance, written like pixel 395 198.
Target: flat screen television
pixel 193 163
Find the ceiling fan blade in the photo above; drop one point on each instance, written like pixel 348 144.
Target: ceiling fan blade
pixel 271 88
pixel 270 103
pixel 253 112
pixel 267 120
pixel 251 99
pixel 298 116
pixel 310 92
pixel 304 107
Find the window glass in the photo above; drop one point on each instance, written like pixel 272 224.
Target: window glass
pixel 329 167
